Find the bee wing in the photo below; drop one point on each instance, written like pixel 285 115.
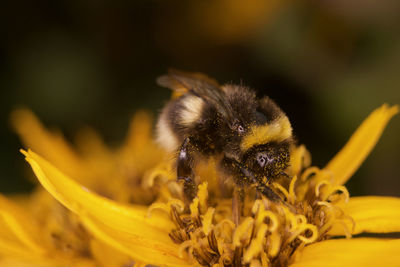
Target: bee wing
pixel 184 81
pixel 200 84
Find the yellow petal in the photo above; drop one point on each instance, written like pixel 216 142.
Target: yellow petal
pixel 52 145
pixel 371 214
pixel 19 234
pixel 300 158
pixel 352 155
pixel 140 130
pixel 138 247
pixel 350 252
pixel 139 146
pixel 106 256
pixel 108 220
pixel 22 242
pixel 80 262
pixel 92 148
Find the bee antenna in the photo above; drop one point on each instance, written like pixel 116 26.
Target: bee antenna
pixel 284 174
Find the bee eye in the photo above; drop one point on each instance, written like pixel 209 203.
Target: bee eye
pixel 236 126
pixel 262 159
pixel 240 129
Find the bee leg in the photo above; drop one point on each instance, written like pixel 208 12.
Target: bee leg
pixel 243 176
pixel 268 192
pixel 185 170
pixel 240 176
pixel 285 175
pixel 237 204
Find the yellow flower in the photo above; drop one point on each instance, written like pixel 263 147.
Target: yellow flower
pixel 128 205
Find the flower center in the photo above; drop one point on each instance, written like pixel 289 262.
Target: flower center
pixel 267 233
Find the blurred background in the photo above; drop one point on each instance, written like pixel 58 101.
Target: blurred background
pixel 327 63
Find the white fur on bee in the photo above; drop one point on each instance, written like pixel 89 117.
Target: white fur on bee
pixel 191 111
pixel 165 136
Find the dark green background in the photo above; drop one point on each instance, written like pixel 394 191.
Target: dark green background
pixel 327 63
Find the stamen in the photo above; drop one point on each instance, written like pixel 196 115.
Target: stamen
pixel 207 221
pixel 303 229
pixel 274 244
pixel 313 237
pixel 291 219
pixel 187 245
pixel 258 204
pixel 202 195
pixel 202 249
pixel 255 263
pixel 339 188
pixel 347 231
pixel 282 189
pixel 301 219
pixel 194 207
pixel 256 244
pixel 197 235
pixel 327 224
pixel 243 232
pixel 292 194
pixel 237 256
pixel 309 172
pixel 264 260
pixel 178 236
pixel 273 220
pixel 226 260
pixel 225 226
pixel 324 203
pixel 176 218
pixel 178 204
pixel 318 187
pixel 174 188
pixel 200 257
pixel 162 170
pixel 212 242
pixel 158 206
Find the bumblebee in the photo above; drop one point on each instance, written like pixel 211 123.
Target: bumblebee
pixel 251 137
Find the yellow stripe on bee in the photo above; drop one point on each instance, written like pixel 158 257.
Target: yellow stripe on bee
pixel 278 130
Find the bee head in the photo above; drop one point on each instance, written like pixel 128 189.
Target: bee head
pixel 268 160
